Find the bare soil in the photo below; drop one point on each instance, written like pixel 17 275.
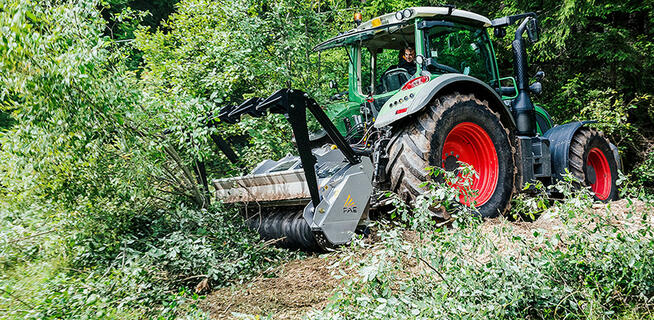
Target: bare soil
pixel 299 286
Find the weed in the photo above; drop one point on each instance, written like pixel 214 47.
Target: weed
pixel 574 262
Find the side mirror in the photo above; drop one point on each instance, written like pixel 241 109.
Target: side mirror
pixel 339 96
pixel 420 60
pixel 536 88
pixel 499 32
pixel 532 30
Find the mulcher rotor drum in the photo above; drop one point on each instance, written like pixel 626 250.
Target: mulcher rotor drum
pixel 288 226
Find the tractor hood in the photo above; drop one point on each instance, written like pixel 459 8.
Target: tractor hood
pixel 411 101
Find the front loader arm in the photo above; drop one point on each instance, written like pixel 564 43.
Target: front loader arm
pixel 293 104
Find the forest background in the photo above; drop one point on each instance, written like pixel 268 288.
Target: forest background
pixel 104 144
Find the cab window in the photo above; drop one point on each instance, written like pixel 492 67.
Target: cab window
pixel 380 72
pixel 462 48
pixel 379 57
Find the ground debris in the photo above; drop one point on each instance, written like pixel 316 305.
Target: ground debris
pixel 299 286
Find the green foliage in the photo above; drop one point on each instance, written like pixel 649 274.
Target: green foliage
pixel 155 12
pixel 531 203
pixel 182 248
pixel 222 53
pixel 599 67
pixel 103 111
pixel 644 174
pixel 588 265
pixel 87 174
pixel 640 182
pixel 69 142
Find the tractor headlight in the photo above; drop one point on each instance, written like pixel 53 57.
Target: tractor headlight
pixel 399 15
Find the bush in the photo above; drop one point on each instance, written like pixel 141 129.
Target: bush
pixel 644 174
pixel 92 187
pixel 182 248
pixel 575 263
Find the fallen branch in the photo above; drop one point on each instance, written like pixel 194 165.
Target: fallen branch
pixel 270 242
pixel 438 272
pixel 31 236
pixel 194 277
pixel 17 299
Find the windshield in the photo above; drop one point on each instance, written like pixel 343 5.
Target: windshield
pixel 386 61
pixel 354 36
pixel 462 48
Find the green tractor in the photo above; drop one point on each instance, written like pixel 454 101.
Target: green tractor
pixel 424 89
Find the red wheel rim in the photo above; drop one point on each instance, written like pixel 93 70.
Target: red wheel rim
pixel 469 143
pixel 602 184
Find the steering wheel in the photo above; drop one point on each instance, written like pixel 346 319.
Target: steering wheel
pixel 392 72
pixel 388 75
pixel 442 67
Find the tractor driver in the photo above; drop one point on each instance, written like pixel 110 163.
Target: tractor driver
pixel 407 60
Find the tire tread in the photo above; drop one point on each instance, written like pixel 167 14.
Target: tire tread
pixel 409 148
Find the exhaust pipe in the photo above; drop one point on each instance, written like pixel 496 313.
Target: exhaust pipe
pixel 523 108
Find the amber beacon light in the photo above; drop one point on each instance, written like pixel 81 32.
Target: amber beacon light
pixel 358 17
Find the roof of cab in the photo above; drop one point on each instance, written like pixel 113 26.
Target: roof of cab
pixel 428 12
pixel 416 12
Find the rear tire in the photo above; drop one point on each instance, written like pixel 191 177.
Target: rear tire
pixel 593 163
pixel 465 125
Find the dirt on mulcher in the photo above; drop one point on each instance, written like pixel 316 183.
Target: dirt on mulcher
pixel 299 286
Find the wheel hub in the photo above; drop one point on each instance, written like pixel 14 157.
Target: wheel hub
pixel 591 176
pixel 470 143
pixel 451 163
pixel 598 173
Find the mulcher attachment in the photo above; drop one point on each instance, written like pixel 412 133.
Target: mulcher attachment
pixel 336 182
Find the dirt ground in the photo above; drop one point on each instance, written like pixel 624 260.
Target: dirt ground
pixel 299 286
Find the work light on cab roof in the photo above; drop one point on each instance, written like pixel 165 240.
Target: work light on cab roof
pixel 404 14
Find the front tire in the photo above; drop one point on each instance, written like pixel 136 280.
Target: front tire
pixel 456 127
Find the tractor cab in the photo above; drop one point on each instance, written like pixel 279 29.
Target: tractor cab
pixel 442 40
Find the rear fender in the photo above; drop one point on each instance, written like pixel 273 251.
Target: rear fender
pixel 560 138
pixel 392 111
